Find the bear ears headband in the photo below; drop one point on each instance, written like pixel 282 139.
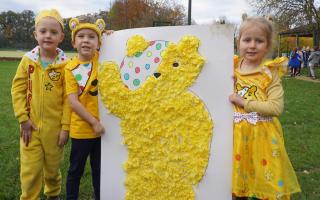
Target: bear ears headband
pixel 75 26
pixel 268 17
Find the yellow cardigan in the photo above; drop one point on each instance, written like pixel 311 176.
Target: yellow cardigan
pixel 274 103
pixel 39 94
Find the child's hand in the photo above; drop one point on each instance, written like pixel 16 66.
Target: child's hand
pixel 236 100
pixel 234 78
pixel 63 138
pixel 97 128
pixel 26 131
pixel 108 32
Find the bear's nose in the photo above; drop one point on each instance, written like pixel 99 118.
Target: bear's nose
pixel 157 75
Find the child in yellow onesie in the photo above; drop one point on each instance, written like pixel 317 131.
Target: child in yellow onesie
pixel 82 91
pixel 261 166
pixel 41 106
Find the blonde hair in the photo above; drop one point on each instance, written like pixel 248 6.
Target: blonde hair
pixel 261 22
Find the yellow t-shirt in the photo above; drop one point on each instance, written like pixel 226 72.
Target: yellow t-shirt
pixel 81 78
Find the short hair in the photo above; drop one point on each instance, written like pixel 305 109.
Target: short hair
pixel 262 23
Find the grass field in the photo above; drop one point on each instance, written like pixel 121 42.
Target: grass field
pixel 300 120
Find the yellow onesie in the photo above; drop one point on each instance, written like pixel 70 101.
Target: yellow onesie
pixel 38 95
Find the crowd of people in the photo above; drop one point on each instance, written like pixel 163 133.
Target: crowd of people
pixel 304 58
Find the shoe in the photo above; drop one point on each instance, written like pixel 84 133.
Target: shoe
pixel 313 78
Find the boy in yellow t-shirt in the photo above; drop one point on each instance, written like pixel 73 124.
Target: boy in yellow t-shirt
pixel 82 90
pixel 41 106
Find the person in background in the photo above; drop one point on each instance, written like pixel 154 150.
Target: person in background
pixel 314 60
pixel 306 54
pixel 294 62
pixel 299 51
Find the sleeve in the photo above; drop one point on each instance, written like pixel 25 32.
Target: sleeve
pixel 310 57
pixel 19 91
pixel 65 121
pixel 273 106
pixel 235 61
pixel 71 85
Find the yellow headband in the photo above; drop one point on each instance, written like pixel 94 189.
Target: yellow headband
pixel 50 13
pixel 75 26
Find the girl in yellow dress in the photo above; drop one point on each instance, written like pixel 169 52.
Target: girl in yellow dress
pixel 261 167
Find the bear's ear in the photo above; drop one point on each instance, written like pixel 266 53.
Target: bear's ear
pixel 136 44
pixel 73 23
pixel 189 44
pixel 238 87
pixel 100 24
pixel 253 89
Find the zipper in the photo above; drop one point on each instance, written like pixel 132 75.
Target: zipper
pixel 41 103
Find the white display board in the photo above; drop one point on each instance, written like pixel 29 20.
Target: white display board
pixel 213 87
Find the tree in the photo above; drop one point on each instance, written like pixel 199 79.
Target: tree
pixel 142 13
pixel 16 29
pixel 292 13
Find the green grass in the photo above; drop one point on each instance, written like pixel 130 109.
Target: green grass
pixel 300 122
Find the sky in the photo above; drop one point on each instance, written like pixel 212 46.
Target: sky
pixel 203 11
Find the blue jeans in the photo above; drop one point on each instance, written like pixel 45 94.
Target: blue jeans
pixel 80 150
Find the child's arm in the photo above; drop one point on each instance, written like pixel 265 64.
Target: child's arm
pixel 78 108
pixel 273 106
pixel 19 91
pixel 63 138
pixel 65 120
pixel 19 100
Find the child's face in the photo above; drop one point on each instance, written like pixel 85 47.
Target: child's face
pixel 253 45
pixel 48 34
pixel 86 42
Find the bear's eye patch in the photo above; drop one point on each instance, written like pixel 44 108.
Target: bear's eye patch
pixel 175 64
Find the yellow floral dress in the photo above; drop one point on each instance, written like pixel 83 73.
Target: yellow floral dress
pixel 261 167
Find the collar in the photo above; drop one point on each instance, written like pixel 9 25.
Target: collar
pixel 259 69
pixel 75 61
pixel 263 68
pixel 34 55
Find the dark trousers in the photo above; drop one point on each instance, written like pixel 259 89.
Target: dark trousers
pixel 80 150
